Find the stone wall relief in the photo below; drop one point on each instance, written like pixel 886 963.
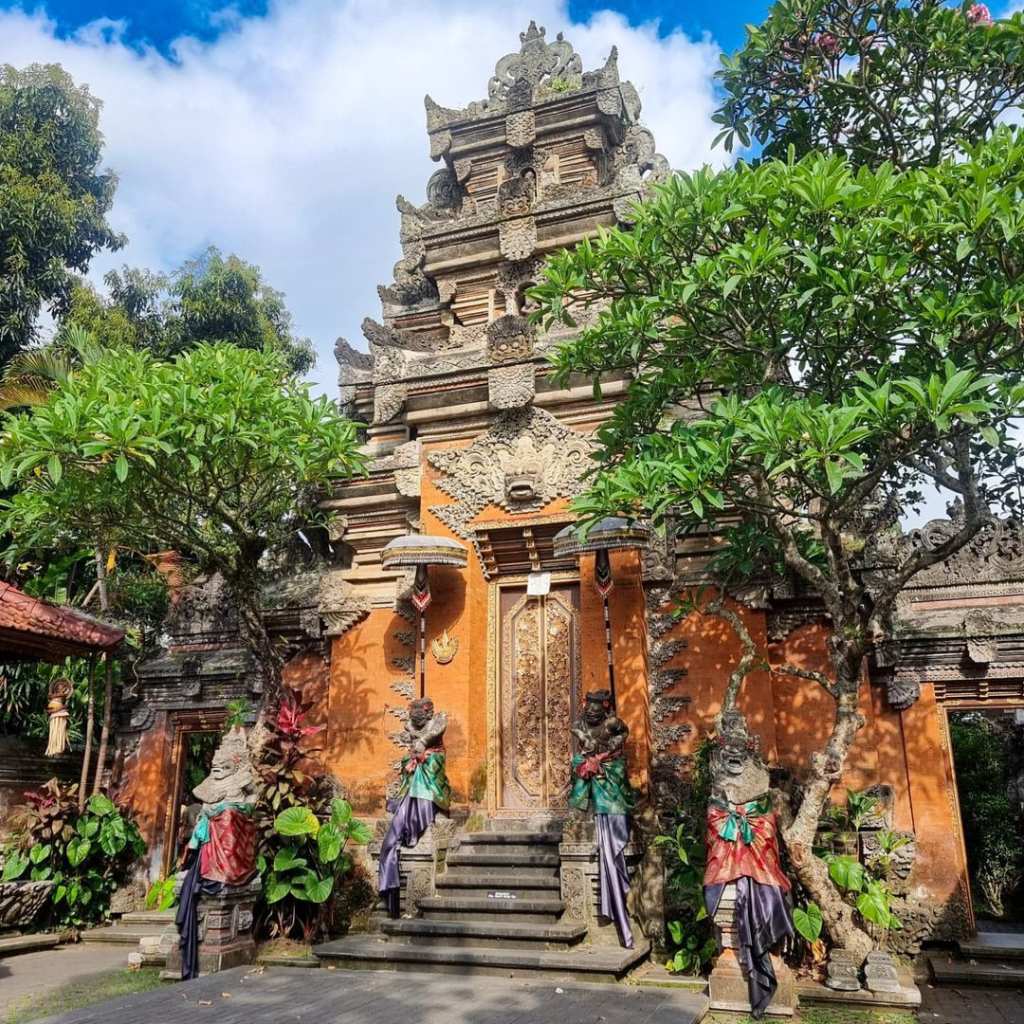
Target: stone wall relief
pixel 526 460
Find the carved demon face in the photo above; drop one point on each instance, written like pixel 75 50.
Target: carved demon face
pixel 732 757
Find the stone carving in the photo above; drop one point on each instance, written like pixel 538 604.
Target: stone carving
pixel 340 605
pixel 388 401
pixel 517 238
pixel 520 129
pixel 995 554
pixel 880 973
pixel 353 368
pixel 902 691
pixel 843 970
pixel 478 475
pixel 537 61
pixel 575 893
pixel 443 190
pixel 21 901
pixel 411 285
pixel 512 386
pixel 509 338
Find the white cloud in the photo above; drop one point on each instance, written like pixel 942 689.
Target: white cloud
pixel 287 138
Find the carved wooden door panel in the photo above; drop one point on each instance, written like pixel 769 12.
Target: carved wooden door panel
pixel 538 695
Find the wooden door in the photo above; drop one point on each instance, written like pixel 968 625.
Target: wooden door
pixel 539 682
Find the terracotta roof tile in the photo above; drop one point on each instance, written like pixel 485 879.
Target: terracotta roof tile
pixel 30 627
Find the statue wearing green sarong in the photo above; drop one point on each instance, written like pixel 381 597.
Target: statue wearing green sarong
pixel 600 784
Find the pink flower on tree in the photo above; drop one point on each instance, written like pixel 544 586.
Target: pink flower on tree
pixel 978 14
pixel 828 44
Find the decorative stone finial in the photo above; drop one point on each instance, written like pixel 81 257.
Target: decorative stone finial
pixel 537 61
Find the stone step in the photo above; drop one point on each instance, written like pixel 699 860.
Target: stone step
pixel 993 946
pixel 128 935
pixel 948 971
pixel 484 934
pixel 519 884
pixel 581 963
pixel 510 838
pixel 159 918
pixel 458 908
pixel 504 859
pixel 15 944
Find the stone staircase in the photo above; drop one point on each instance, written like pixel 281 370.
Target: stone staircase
pixel 148 934
pixel 493 904
pixel 993 959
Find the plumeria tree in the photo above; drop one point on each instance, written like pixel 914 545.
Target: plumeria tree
pixel 898 81
pixel 813 344
pixel 217 454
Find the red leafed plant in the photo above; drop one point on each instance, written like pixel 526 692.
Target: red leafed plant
pixel 289 718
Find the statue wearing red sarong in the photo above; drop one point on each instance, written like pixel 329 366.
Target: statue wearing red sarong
pixel 743 862
pixel 222 850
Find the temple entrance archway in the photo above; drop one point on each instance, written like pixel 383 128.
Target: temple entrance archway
pixel 538 688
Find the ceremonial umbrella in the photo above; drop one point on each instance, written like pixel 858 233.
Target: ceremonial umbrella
pixel 417 551
pixel 613 533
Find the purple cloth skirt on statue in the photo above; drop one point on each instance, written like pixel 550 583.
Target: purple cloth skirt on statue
pixel 413 816
pixel 612 837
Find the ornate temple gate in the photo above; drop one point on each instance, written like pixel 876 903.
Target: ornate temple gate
pixel 538 662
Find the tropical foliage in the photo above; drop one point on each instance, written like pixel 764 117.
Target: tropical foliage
pixel 812 344
pixel 209 299
pixel 983 752
pixel 216 454
pixel 872 80
pixel 304 833
pixel 86 852
pixel 54 198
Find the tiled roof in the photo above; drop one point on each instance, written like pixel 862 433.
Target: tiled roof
pixel 30 628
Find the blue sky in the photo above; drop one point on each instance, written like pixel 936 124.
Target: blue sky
pixel 159 23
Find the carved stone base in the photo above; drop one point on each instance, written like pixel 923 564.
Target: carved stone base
pixel 880 973
pixel 418 867
pixel 580 888
pixel 843 971
pixel 226 937
pixel 728 990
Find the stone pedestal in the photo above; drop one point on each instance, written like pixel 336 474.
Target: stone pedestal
pixel 843 971
pixel 880 974
pixel 580 882
pixel 418 866
pixel 226 935
pixel 727 986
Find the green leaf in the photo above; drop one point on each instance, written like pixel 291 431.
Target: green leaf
pixel 359 832
pixel 55 469
pixel 329 842
pixel 14 866
pixel 318 891
pixel 288 858
pixel 77 850
pixel 341 812
pixel 847 873
pixel 39 852
pixel 297 821
pixel 101 805
pixel 87 826
pixel 808 922
pixel 276 891
pixel 121 468
pixel 964 248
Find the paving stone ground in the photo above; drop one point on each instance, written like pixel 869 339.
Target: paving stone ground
pixel 291 996
pixel 31 973
pixel 946 1004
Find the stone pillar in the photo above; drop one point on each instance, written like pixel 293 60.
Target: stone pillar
pixel 727 986
pixel 226 935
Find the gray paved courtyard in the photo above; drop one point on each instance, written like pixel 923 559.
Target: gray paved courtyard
pixel 947 1004
pixel 285 995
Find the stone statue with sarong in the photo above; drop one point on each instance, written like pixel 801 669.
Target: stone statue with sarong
pixel 220 862
pixel 423 790
pixel 600 783
pixel 745 890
